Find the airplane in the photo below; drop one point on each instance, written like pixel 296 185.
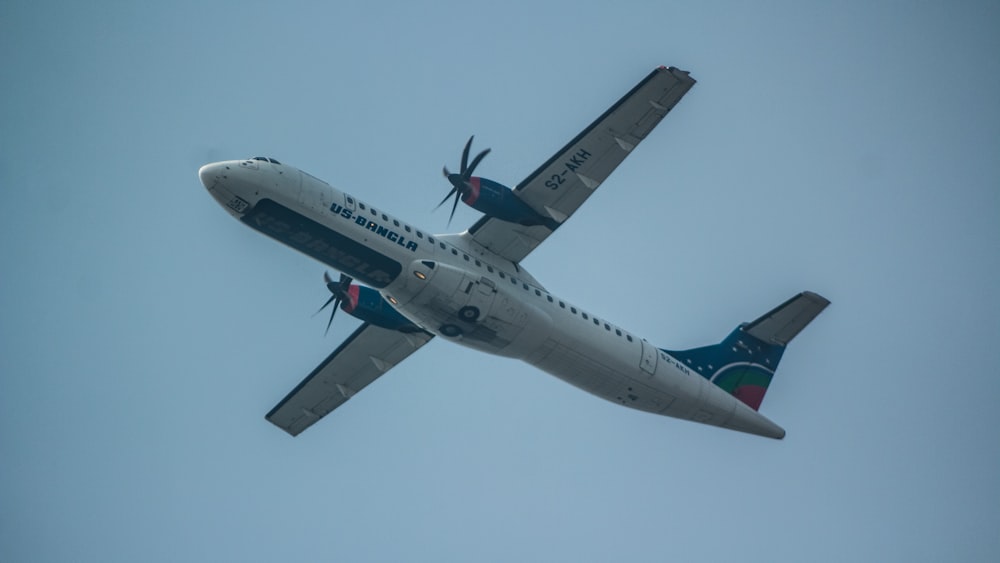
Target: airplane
pixel 471 288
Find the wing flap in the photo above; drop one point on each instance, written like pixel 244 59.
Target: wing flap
pixel 367 354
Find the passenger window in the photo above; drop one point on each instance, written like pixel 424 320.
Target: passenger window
pixel 395 222
pixel 538 293
pixel 628 337
pixel 501 275
pixel 549 297
pixel 420 235
pixel 385 217
pixel 525 286
pixel 362 206
pixel 618 332
pixel 573 310
pixel 489 268
pixel 585 317
pixel 607 327
pixel 374 213
pixel 561 304
pixel 350 200
pixel 455 252
pixel 407 228
pixel 430 240
pixel 597 322
pixel 466 256
pixel 443 247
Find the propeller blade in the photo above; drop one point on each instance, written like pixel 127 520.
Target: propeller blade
pixel 342 285
pixel 453 207
pixel 465 154
pixel 325 305
pixel 330 322
pixel 475 163
pixel 453 190
pixel 340 291
pixel 460 182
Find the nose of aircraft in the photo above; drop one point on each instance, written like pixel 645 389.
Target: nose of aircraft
pixel 211 173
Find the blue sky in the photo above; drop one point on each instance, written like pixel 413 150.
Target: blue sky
pixel 851 150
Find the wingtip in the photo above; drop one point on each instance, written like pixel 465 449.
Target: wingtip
pixel 816 297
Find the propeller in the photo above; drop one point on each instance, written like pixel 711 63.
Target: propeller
pixel 460 181
pixel 339 290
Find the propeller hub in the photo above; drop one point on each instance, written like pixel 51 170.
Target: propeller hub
pixel 341 294
pixel 459 182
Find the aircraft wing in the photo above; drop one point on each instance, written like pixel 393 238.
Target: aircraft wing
pixel 362 358
pixel 561 185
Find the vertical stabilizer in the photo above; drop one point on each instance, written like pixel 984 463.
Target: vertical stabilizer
pixel 743 364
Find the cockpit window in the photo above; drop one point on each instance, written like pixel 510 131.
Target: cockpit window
pixel 265 159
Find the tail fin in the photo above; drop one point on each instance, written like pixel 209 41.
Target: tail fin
pixel 744 363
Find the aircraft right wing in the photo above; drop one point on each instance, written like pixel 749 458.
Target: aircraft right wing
pixel 362 358
pixel 561 185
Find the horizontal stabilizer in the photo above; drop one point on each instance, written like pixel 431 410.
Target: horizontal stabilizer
pixel 788 319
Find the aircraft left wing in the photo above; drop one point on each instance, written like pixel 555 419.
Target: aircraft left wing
pixel 561 185
pixel 362 358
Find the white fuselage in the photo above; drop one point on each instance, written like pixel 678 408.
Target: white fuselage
pixel 454 288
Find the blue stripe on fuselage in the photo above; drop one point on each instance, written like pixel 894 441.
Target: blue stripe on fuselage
pixel 322 243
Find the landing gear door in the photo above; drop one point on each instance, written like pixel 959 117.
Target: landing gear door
pixel 481 295
pixel 649 353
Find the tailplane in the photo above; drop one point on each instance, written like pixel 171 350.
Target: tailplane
pixel 743 364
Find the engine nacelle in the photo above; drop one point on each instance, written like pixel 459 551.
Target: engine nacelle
pixel 499 201
pixel 368 305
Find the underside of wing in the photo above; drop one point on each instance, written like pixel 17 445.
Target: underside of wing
pixel 362 358
pixel 561 185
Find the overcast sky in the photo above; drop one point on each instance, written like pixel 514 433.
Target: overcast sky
pixel 851 150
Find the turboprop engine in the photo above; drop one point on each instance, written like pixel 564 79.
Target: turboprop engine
pixel 363 303
pixel 492 198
